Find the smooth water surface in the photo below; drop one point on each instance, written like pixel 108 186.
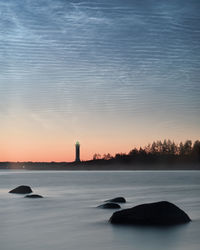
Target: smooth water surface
pixel 67 217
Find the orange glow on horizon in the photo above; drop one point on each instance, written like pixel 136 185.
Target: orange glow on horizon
pixel 53 154
pixel 54 139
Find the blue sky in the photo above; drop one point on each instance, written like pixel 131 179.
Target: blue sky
pixel 98 71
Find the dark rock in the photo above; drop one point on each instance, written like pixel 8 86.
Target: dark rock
pixel 117 200
pixel 158 213
pixel 21 190
pixel 110 206
pixel 33 196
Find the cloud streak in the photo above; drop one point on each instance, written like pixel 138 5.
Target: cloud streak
pixel 115 58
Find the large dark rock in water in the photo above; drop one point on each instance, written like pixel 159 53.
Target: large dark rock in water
pixel 21 190
pixel 33 196
pixel 110 206
pixel 117 200
pixel 158 213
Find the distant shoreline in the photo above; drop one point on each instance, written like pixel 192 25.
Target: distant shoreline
pixel 159 155
pixel 90 166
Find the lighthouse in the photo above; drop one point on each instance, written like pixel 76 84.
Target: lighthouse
pixel 77 150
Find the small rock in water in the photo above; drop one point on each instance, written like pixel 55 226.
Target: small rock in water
pixel 117 200
pixel 34 196
pixel 110 206
pixel 21 190
pixel 157 213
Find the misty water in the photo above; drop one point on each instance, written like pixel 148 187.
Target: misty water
pixel 67 217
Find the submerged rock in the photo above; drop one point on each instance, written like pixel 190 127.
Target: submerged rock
pixel 158 213
pixel 110 206
pixel 117 200
pixel 21 190
pixel 34 196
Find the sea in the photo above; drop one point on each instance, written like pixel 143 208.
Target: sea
pixel 67 218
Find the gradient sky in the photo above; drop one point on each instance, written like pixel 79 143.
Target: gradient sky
pixel 113 74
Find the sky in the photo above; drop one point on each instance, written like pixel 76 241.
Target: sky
pixel 112 74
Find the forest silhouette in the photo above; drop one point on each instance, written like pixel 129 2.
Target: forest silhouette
pixel 158 152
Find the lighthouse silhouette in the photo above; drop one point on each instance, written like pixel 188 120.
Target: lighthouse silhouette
pixel 77 149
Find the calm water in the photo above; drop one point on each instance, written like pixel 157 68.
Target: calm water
pixel 67 218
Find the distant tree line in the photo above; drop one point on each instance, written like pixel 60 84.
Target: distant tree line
pixel 165 151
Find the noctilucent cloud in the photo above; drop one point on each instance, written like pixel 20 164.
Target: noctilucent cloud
pixel 112 74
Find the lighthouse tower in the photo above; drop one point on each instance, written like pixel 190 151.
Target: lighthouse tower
pixel 77 149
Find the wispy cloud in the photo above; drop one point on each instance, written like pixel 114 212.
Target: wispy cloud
pixel 100 57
